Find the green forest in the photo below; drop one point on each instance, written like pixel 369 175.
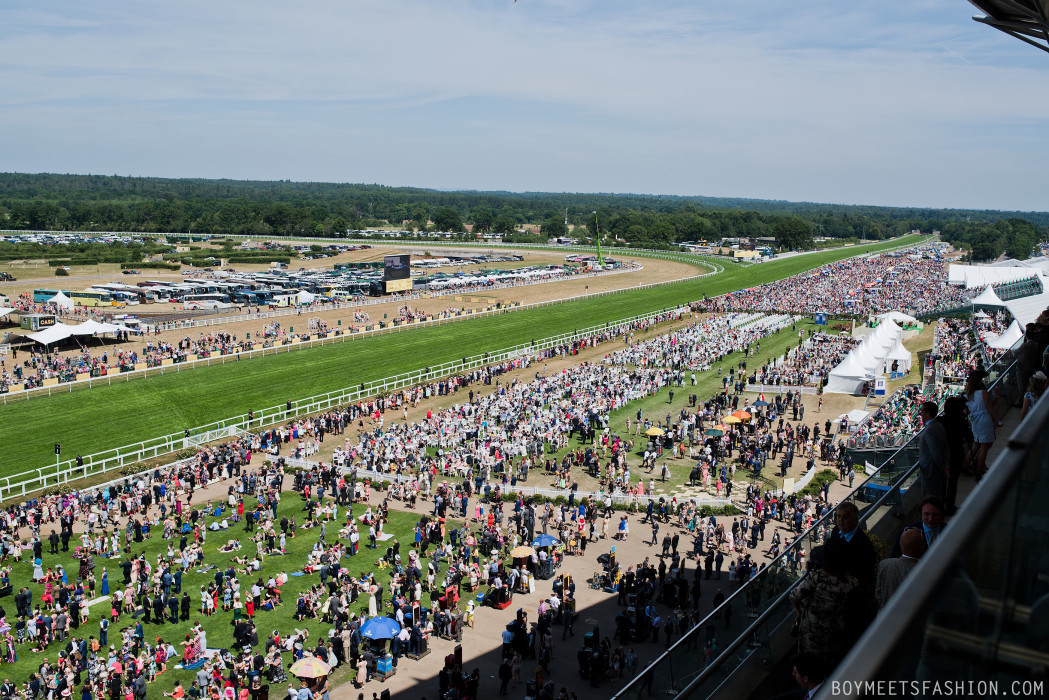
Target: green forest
pixel 52 202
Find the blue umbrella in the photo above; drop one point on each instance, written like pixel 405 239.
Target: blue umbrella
pixel 545 540
pixel 380 628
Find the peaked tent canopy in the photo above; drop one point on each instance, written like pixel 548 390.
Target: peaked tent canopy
pixel 849 376
pixel 1008 339
pixel 897 316
pixel 305 297
pixel 61 301
pixel 988 298
pixel 901 355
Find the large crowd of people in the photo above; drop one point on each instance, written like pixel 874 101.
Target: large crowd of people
pixel 467 462
pixel 859 286
pixel 808 364
pixel 898 419
pixel 955 350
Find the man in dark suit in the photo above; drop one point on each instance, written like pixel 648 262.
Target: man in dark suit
pixel 53 541
pixel 860 556
pixel 158 609
pixel 931 525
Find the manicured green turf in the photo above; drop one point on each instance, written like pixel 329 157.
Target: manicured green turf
pixel 218 628
pixel 106 417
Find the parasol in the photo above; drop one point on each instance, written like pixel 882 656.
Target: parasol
pixel 380 628
pixel 545 540
pixel 311 667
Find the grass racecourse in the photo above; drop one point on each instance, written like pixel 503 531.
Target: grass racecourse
pixel 105 417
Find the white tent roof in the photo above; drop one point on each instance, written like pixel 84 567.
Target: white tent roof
pixel 866 360
pixel 1026 309
pixel 5 311
pixel 55 333
pixel 305 297
pixel 972 276
pixel 61 300
pixel 90 327
pixel 857 415
pixel 1008 339
pixel 988 298
pixel 852 366
pixel 899 354
pixel 897 316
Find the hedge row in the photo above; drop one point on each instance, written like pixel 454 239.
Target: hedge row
pixel 150 265
pixel 73 261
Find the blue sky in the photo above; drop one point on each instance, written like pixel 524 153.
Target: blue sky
pixel 893 102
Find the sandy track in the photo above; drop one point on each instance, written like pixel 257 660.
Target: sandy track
pixel 653 270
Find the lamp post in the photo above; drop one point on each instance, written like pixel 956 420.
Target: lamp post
pixel 597 237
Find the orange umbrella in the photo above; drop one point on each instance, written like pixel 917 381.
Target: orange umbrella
pixel 742 415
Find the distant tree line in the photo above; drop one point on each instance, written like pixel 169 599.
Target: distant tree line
pixel 282 208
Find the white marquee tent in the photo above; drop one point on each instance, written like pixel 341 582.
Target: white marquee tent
pixel 868 359
pixel 901 355
pixel 896 316
pixel 988 298
pixel 1007 339
pixel 849 376
pixel 61 331
pixel 61 301
pixel 1026 309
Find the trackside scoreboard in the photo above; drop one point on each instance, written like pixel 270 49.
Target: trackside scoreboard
pixel 397 273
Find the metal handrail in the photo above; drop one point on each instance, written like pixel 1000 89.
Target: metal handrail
pixel 53 475
pixel 874 647
pixel 865 515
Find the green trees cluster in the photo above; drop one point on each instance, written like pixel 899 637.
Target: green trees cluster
pixel 80 252
pixel 1014 237
pixel 257 208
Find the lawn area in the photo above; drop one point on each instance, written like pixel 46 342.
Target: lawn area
pixel 105 417
pixel 218 627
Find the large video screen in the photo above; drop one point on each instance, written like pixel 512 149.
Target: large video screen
pixel 397 273
pixel 397 267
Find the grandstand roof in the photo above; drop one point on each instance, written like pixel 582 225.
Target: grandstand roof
pixel 1026 20
pixel 971 276
pixel 1026 309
